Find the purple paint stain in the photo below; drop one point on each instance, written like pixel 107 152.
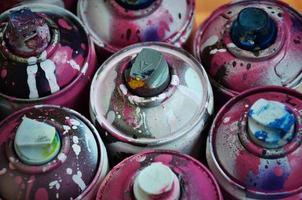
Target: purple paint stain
pixel 151 35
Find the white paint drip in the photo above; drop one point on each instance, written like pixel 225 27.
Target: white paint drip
pixel 77 178
pixel 62 157
pixel 226 120
pixel 31 81
pixel 3 171
pixel 69 171
pixel 55 184
pixel 174 80
pixel 123 89
pixel 77 149
pixel 74 127
pixel 43 55
pixel 49 68
pixel 32 60
pixel 214 51
pixel 75 139
pixel 74 65
pixel 66 129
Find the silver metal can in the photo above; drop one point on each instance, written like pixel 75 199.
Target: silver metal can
pixel 151 96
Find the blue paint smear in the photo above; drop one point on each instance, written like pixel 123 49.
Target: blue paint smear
pixel 272 182
pixel 151 35
pixel 261 135
pixel 284 123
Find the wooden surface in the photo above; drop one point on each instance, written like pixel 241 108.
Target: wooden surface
pixel 205 7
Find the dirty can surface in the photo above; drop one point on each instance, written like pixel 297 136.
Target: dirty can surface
pixel 251 43
pixel 115 24
pixel 162 175
pixel 68 4
pixel 46 57
pixel 50 152
pixel 254 147
pixel 151 95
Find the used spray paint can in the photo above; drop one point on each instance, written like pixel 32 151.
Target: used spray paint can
pixel 251 43
pixel 254 147
pixel 45 57
pixel 50 152
pixel 159 175
pixel 115 24
pixel 151 96
pixel 68 4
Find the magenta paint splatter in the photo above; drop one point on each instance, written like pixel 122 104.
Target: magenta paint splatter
pixel 64 24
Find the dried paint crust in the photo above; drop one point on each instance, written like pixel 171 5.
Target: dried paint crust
pixel 75 172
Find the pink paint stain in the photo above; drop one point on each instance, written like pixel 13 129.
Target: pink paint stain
pixel 18 180
pixel 41 193
pixel 3 73
pixel 278 171
pixel 64 24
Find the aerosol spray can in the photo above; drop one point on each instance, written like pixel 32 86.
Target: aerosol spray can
pixel 151 96
pixel 115 24
pixel 50 152
pixel 45 57
pixel 162 175
pixel 254 147
pixel 251 43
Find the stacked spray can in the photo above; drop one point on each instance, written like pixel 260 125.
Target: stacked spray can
pixel 254 147
pixel 50 152
pixel 151 95
pixel 254 43
pixel 46 57
pixel 115 24
pixel 162 175
pixel 68 4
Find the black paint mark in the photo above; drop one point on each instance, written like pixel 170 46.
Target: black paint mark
pixel 248 66
pixel 234 63
pixel 128 34
pixel 179 15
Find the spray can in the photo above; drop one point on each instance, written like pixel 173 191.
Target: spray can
pixel 68 4
pixel 46 58
pixel 50 152
pixel 249 44
pixel 159 175
pixel 151 95
pixel 115 24
pixel 254 147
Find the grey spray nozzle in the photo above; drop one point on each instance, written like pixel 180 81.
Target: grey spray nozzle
pixel 149 75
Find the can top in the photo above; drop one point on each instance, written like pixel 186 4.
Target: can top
pixel 153 93
pixel 115 24
pixel 48 151
pixel 255 141
pixel 44 49
pixel 161 174
pixel 256 44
